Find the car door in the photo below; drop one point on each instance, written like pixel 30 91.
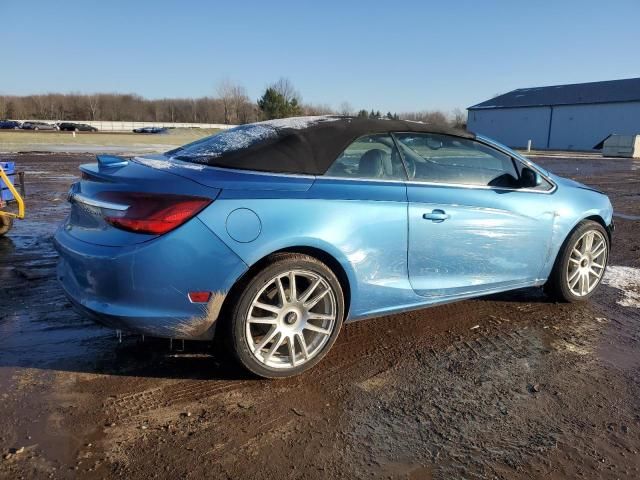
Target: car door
pixel 472 228
pixel 365 216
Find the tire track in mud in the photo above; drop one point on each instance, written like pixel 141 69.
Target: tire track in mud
pixel 128 406
pixel 358 364
pixel 474 382
pixel 350 361
pixel 347 367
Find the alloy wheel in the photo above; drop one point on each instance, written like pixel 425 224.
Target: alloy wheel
pixel 587 263
pixel 291 319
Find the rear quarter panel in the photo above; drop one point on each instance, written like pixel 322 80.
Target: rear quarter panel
pixel 367 237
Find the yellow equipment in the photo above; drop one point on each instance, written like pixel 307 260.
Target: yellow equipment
pixel 6 218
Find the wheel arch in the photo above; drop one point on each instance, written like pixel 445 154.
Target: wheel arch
pixel 553 283
pixel 328 259
pixel 597 219
pixel 594 218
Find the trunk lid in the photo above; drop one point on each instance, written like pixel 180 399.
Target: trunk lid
pixel 86 220
pixel 226 178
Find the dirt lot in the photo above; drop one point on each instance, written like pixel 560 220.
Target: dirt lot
pixel 511 386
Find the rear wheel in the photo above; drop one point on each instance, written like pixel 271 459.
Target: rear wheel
pixel 288 316
pixel 5 224
pixel 581 263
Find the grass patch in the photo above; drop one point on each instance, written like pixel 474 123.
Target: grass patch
pixel 25 141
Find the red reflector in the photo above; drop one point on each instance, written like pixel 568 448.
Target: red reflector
pixel 199 297
pixel 152 213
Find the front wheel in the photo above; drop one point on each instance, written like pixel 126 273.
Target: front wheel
pixel 581 263
pixel 5 224
pixel 287 317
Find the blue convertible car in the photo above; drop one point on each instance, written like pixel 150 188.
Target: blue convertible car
pixel 273 234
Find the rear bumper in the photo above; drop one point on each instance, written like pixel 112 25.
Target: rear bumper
pixel 143 288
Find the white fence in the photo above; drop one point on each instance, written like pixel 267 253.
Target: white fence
pixel 108 126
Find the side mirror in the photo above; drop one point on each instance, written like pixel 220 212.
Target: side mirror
pixel 529 178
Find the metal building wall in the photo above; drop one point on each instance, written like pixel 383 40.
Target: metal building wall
pixel 512 126
pixel 573 127
pixel 580 127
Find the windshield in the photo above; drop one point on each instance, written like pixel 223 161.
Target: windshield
pixel 513 153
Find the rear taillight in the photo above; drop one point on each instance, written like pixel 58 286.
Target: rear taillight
pixel 150 213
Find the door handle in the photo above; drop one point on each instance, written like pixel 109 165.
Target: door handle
pixel 436 216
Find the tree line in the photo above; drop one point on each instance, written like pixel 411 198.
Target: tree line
pixel 230 105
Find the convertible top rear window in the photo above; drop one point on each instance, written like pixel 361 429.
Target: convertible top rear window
pixel 241 137
pixel 302 145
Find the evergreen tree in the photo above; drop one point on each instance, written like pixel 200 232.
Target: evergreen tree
pixel 363 114
pixel 274 105
pixel 293 108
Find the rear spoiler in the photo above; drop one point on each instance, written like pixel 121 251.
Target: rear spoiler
pixel 111 161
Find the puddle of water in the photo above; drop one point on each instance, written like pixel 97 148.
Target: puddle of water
pixel 627 280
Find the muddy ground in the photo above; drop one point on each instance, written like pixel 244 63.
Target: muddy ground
pixel 510 386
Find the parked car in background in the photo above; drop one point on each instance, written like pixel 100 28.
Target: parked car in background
pixel 271 235
pixel 150 130
pixel 76 127
pixel 9 125
pixel 38 126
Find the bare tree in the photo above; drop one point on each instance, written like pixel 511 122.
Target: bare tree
pixel 345 109
pixel 435 117
pixel 235 101
pixel 285 88
pixel 194 110
pixel 317 109
pixel 225 93
pixel 458 118
pixel 93 102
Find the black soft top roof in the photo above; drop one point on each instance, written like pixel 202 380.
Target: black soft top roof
pixel 302 145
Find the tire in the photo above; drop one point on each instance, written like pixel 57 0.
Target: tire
pixel 567 280
pixel 6 223
pixel 287 320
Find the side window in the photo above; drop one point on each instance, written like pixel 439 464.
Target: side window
pixel 371 156
pixel 445 159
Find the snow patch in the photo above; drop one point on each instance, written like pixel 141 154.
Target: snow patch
pixel 229 141
pixel 298 123
pixel 167 164
pixel 627 280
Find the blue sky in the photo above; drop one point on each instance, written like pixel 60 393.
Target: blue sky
pixel 398 56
